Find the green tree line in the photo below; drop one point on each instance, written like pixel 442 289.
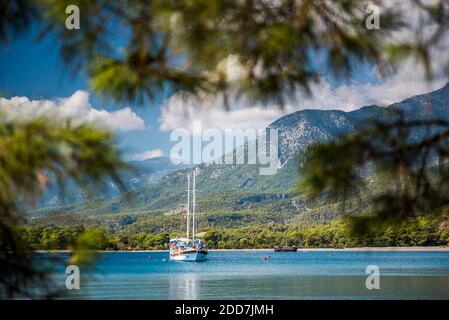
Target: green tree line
pixel 64 238
pixel 421 231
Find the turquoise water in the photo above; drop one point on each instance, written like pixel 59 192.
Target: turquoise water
pixel 245 275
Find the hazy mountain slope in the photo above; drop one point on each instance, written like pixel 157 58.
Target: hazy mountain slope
pixel 144 173
pixel 299 129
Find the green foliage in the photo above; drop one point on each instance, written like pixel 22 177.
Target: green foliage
pixel 186 45
pixel 393 168
pixel 33 153
pixel 421 231
pixel 50 237
pixel 15 17
pixel 86 245
pixel 144 241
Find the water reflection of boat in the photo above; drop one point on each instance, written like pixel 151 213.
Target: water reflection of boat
pixel 184 286
pixel 188 249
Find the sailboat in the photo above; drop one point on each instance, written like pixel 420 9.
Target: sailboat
pixel 188 248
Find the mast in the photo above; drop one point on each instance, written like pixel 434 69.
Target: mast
pixel 188 206
pixel 193 207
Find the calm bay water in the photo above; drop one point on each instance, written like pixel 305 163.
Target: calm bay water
pixel 244 275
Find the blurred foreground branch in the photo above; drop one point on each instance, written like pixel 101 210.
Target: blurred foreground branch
pixel 392 169
pixel 264 50
pixel 33 154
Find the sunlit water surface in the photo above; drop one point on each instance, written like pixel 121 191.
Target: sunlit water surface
pixel 245 275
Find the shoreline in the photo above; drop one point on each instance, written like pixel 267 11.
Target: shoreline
pixel 359 249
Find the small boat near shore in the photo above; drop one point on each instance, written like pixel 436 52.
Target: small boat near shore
pixel 188 248
pixel 285 249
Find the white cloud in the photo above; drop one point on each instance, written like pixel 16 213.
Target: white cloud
pixel 180 110
pixel 148 155
pixel 76 107
pixel 181 114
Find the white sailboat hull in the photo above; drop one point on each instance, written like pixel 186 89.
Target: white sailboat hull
pixel 190 256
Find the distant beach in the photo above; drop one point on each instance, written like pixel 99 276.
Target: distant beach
pixel 433 248
pixel 438 248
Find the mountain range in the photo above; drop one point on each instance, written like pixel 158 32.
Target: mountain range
pixel 235 195
pixel 143 173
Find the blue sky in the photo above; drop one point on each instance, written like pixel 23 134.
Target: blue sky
pixel 34 70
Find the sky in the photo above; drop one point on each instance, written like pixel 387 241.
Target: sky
pixel 33 80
